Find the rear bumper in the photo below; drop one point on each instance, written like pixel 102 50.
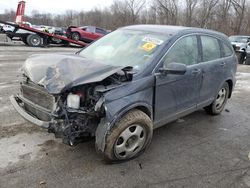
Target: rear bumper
pixel 15 102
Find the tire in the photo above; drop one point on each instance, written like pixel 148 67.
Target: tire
pixel 248 60
pixel 241 57
pixel 130 136
pixel 24 39
pixel 219 102
pixel 75 36
pixel 34 40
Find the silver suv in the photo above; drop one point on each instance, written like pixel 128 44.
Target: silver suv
pixel 239 43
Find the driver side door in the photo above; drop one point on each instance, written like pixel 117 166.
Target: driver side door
pixel 177 95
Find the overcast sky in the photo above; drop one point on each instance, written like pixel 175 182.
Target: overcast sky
pixel 55 6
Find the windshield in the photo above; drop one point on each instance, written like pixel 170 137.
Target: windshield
pixel 240 39
pixel 125 48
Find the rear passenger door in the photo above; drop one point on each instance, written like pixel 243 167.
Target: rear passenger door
pixel 213 67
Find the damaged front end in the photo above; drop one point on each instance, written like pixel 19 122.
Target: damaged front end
pixel 75 110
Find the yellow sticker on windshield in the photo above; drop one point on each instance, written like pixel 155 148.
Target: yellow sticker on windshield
pixel 148 46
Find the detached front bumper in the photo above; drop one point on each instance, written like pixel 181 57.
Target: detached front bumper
pixel 15 100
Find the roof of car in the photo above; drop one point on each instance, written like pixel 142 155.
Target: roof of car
pixel 170 29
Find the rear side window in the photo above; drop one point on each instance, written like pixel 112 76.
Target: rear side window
pixel 210 48
pixel 226 50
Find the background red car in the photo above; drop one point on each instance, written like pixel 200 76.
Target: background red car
pixel 85 33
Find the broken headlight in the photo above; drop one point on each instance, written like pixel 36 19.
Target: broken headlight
pixel 73 101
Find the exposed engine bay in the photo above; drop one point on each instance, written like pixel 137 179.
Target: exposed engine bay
pixel 74 113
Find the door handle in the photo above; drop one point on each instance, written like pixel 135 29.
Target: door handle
pixel 223 64
pixel 196 71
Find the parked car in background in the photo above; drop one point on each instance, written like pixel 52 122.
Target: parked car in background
pixel 7 28
pixel 247 61
pixel 51 29
pixel 30 38
pixel 239 43
pixel 86 33
pixel 124 85
pixel 1 28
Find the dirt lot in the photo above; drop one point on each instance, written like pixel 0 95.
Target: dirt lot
pixel 196 151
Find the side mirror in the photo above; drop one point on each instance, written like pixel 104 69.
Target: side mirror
pixel 248 43
pixel 174 68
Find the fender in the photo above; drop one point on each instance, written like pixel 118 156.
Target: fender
pixel 232 87
pixel 106 124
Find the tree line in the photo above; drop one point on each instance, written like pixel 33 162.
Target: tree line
pixel 227 16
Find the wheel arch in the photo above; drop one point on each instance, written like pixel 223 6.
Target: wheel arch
pixel 230 84
pixel 144 107
pixel 106 124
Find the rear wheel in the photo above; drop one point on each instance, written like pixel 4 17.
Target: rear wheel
pixel 241 57
pixel 75 36
pixel 219 102
pixel 129 137
pixel 34 40
pixel 248 60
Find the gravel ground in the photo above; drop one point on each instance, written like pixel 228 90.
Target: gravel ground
pixel 195 151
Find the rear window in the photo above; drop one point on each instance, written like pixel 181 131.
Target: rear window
pixel 226 50
pixel 210 48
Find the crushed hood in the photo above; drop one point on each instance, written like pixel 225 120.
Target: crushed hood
pixel 58 72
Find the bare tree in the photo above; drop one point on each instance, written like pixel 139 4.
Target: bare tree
pixel 127 12
pixel 239 7
pixel 228 16
pixel 223 14
pixel 135 7
pixel 206 12
pixel 189 12
pixel 168 11
pixel 8 15
pixel 69 17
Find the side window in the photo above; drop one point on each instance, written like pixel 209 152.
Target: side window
pixel 100 31
pixel 226 50
pixel 184 51
pixel 90 29
pixel 210 48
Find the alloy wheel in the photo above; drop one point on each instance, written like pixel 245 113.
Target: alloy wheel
pixel 130 141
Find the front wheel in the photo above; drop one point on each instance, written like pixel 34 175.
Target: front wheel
pixel 219 102
pixel 129 137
